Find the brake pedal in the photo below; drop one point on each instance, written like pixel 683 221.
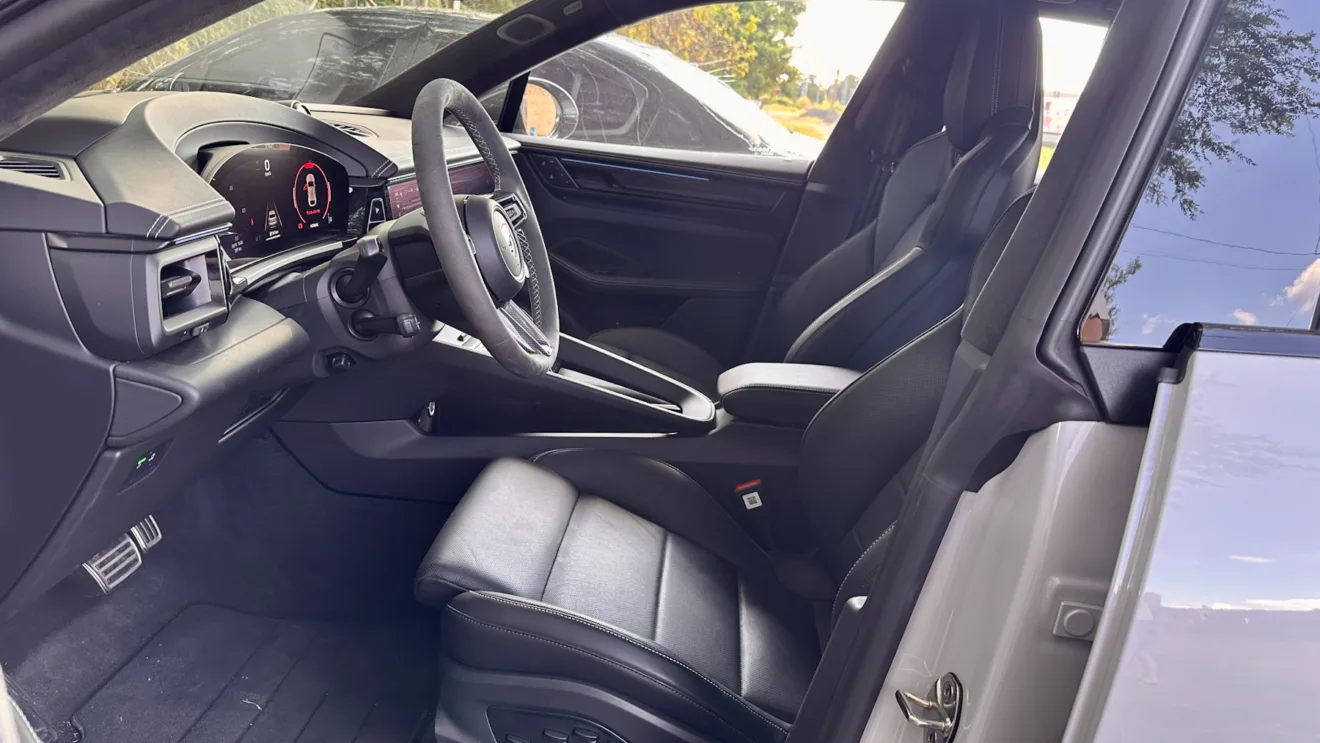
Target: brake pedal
pixel 147 534
pixel 115 564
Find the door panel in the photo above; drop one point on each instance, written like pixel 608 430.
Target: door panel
pixel 687 241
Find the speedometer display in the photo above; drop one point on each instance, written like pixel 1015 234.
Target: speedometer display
pixel 283 196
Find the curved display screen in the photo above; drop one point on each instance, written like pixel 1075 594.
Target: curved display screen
pixel 283 196
pixel 465 179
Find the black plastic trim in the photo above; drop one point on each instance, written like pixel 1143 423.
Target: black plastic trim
pixel 1252 340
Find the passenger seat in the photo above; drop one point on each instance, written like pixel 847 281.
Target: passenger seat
pixel 907 269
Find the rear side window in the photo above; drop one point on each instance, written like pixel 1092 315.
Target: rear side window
pixel 1228 229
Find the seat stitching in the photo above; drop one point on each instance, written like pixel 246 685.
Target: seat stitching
pixel 843 583
pixel 567 523
pixel 607 630
pixel 602 658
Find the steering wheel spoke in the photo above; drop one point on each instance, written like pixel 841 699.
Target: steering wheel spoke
pixel 524 330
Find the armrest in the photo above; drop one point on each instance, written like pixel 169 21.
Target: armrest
pixel 781 394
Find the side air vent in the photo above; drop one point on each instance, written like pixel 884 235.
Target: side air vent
pixel 354 129
pixel 43 168
pixel 192 292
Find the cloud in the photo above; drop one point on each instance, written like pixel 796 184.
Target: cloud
pixel 1151 322
pixel 1252 560
pixel 1304 289
pixel 1243 317
pixel 1284 604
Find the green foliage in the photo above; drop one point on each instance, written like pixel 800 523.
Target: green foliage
pixel 1116 277
pixel 1256 79
pixel 746 44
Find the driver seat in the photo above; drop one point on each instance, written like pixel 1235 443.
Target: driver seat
pixel 596 596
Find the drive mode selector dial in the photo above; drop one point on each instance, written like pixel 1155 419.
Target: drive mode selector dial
pixel 495 246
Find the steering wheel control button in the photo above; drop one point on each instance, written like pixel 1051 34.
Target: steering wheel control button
pixel 550 735
pixel 495 246
pixel 582 735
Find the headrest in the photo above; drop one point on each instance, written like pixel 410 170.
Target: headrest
pixel 996 67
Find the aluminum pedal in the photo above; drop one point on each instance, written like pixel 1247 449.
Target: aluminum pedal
pixel 147 534
pixel 115 564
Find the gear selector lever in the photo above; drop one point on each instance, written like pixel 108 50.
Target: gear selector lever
pixel 352 286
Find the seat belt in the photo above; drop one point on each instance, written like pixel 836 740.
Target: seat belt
pixel 907 108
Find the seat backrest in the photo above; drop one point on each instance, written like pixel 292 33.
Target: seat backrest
pixel 860 453
pixel 908 269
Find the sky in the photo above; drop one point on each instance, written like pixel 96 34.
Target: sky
pixel 1252 254
pixel 842 36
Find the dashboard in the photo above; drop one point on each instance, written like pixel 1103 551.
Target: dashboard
pixel 174 258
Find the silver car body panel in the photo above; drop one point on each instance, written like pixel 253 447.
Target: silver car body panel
pixel 1212 626
pixel 1045 531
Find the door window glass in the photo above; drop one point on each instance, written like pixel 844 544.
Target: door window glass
pixel 1228 228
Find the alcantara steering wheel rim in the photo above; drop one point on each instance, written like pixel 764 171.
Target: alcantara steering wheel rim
pixel 490 259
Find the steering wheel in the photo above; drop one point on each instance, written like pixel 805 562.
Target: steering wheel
pixel 489 257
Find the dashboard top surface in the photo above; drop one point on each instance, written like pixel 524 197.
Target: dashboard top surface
pixel 128 163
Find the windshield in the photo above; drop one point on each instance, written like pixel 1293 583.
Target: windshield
pixel 317 51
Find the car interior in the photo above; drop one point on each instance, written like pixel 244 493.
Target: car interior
pixel 385 422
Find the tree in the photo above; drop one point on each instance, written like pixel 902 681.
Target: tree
pixel 743 43
pixel 1255 79
pixel 1116 277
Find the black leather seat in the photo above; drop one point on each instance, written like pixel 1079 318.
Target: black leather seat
pixel 602 591
pixel 908 268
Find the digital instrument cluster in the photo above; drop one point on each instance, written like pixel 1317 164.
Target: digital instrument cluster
pixel 283 195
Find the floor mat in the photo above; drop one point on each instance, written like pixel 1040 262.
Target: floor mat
pixel 219 676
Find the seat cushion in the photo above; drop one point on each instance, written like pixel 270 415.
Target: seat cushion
pixel 621 572
pixel 669 354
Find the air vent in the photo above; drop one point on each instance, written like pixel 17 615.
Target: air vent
pixel 354 129
pixel 43 168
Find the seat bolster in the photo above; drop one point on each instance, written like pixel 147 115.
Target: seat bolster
pixel 666 353
pixel 498 539
pixel 662 494
pixel 506 633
